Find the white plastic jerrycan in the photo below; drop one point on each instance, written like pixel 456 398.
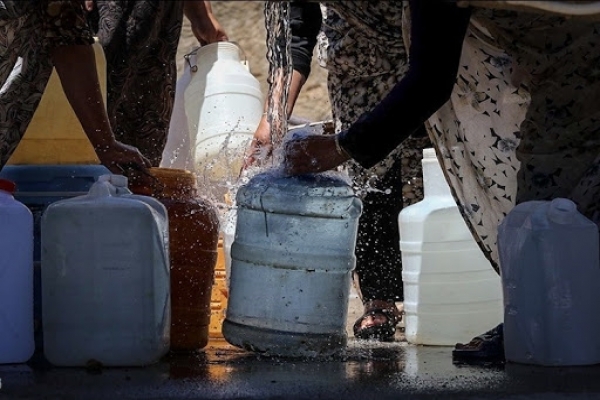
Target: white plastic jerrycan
pixel 105 278
pixel 16 278
pixel 451 292
pixel 550 271
pixel 223 104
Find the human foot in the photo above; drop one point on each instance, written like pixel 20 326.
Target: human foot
pixel 488 347
pixel 378 321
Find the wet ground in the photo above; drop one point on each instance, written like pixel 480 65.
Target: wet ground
pixel 365 370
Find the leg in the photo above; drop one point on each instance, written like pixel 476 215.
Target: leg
pixel 140 42
pixel 379 263
pixel 24 80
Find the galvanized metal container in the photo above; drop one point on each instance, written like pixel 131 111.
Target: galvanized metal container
pixel 292 260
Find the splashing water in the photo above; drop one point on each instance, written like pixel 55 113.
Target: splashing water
pixel 280 73
pixel 278 41
pixel 277 22
pixel 223 192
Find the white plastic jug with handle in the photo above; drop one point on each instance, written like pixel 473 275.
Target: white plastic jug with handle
pixel 223 104
pixel 550 271
pixel 106 278
pixel 177 153
pixel 451 292
pixel 16 278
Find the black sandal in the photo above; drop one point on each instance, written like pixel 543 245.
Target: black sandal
pixel 488 347
pixel 383 332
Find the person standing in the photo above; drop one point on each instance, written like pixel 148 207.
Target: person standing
pixel 55 34
pixel 365 56
pixel 140 40
pixel 511 121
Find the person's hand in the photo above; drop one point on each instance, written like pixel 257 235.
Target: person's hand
pixel 118 157
pixel 88 5
pixel 209 30
pixel 261 147
pixel 312 154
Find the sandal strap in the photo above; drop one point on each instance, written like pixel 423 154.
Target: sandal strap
pixel 387 312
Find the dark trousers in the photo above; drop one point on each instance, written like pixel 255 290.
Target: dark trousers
pixel 378 258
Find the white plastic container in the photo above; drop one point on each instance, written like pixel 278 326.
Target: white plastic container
pixel 291 264
pixel 451 292
pixel 223 104
pixel 105 278
pixel 551 279
pixel 16 278
pixel 177 152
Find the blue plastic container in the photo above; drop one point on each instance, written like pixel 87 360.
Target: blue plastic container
pixel 105 278
pixel 550 268
pixel 38 186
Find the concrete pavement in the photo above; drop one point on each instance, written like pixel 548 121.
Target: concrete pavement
pixel 365 371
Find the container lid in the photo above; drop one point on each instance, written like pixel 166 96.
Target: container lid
pixel 214 48
pixel 429 153
pixel 7 186
pixel 118 181
pixel 38 179
pixel 324 195
pixel 169 182
pixel 562 211
pixel 176 176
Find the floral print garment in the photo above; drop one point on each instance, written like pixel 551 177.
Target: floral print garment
pixel 522 123
pixel 140 41
pixel 25 65
pixel 363 50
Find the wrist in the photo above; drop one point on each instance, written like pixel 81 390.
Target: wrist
pixel 338 147
pixel 103 144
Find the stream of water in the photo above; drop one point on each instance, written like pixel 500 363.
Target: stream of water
pixel 277 23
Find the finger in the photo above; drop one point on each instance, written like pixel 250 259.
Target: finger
pixel 144 162
pixel 115 169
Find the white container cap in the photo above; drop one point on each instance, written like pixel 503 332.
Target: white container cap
pixel 114 179
pixel 429 153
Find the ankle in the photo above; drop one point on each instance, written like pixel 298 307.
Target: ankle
pixel 388 305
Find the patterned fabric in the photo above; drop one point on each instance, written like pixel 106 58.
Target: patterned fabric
pixel 140 41
pixel 522 123
pixel 25 65
pixel 363 50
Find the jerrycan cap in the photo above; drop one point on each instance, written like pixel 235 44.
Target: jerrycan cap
pixel 562 211
pixel 429 153
pixel 8 186
pixel 114 179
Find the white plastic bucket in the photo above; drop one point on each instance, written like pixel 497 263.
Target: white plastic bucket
pixel 105 278
pixel 451 292
pixel 223 104
pixel 16 278
pixel 177 152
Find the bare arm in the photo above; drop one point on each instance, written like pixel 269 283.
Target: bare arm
pixel 305 24
pixel 76 68
pixel 205 26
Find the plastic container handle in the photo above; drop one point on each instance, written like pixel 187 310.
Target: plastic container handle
pixel 194 68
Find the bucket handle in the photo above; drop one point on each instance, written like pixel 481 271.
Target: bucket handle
pixel 194 68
